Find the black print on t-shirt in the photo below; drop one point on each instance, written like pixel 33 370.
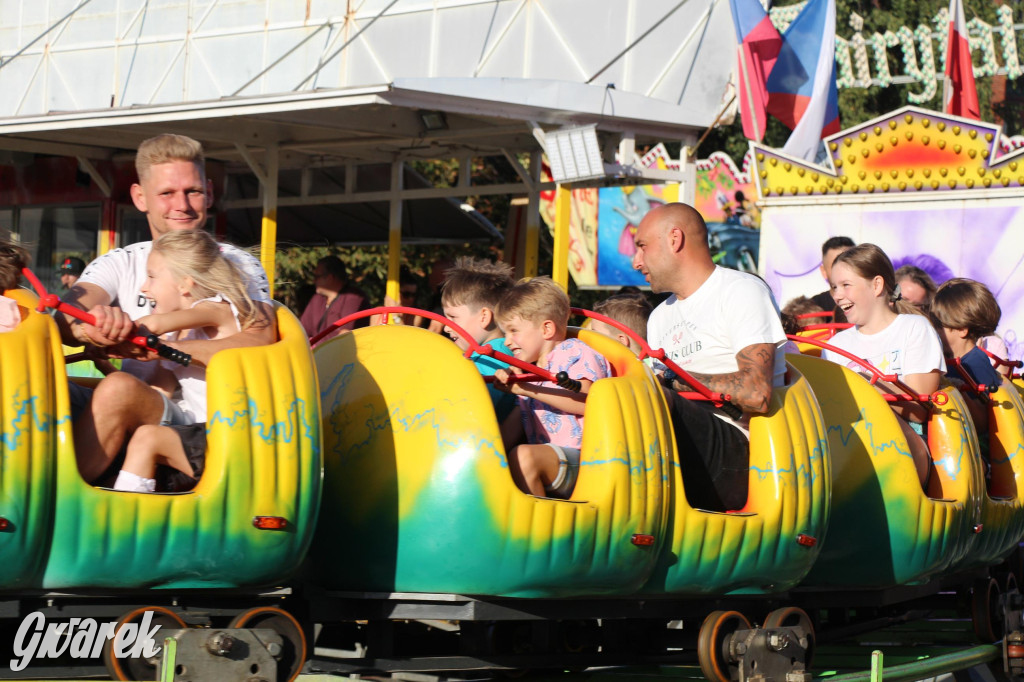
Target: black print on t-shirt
pixel 142 302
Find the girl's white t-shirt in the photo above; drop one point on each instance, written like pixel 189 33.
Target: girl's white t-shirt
pixel 193 378
pixel 909 345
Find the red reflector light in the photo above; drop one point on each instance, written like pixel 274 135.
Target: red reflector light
pixel 642 540
pixel 977 529
pixel 270 522
pixel 806 540
pixel 1014 651
pixel 4 523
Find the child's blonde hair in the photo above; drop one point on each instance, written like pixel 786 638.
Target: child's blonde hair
pixel 476 283
pixel 12 259
pixel 535 300
pixel 966 304
pixel 195 254
pixel 166 148
pixel 869 261
pixel 627 309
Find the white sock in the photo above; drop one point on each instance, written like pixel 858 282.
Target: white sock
pixel 133 483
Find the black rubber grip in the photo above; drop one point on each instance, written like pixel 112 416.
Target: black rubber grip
pixel 563 380
pixel 172 354
pixel 732 410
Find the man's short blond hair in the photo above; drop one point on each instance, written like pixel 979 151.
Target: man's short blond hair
pixel 627 309
pixel 476 283
pixel 535 300
pixel 166 148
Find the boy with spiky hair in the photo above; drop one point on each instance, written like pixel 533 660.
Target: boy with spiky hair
pixel 469 295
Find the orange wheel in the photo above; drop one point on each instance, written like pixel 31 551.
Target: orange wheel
pixel 293 651
pixel 713 644
pixel 139 668
pixel 986 616
pixel 792 616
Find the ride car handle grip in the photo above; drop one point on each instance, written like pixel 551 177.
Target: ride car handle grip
pixel 563 381
pixel 164 351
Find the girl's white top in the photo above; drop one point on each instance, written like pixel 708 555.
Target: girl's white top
pixel 193 378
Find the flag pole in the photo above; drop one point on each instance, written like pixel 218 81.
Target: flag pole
pixel 750 97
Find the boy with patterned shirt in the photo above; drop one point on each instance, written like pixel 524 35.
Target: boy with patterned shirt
pixel 534 315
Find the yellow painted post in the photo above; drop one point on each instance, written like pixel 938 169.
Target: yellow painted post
pixel 672 193
pixel 268 236
pixel 563 215
pixel 108 229
pixel 395 233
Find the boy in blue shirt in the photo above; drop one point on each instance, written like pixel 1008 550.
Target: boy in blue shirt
pixel 469 294
pixel 964 311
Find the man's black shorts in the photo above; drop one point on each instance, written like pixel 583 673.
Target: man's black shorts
pixel 714 456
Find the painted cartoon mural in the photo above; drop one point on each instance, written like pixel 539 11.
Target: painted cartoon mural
pixel 603 222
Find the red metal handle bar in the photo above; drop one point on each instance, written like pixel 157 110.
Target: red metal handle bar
pixel 150 342
pixel 1016 364
pixel 700 391
pixel 823 313
pixel 561 379
pixel 981 390
pixel 830 326
pixel 938 398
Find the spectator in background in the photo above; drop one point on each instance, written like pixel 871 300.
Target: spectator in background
pixel 69 271
pixel 916 286
pixel 829 251
pixel 334 299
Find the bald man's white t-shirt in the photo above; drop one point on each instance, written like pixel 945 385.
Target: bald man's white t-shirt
pixel 703 332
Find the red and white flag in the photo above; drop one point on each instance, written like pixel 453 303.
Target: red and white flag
pixel 959 96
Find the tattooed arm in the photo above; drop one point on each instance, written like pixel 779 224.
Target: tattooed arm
pixel 751 385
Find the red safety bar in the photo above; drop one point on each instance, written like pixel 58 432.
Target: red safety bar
pixel 1002 362
pixel 980 390
pixel 820 313
pixel 534 372
pixel 700 392
pixel 939 398
pixel 150 342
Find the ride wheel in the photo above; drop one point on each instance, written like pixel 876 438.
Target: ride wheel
pixel 293 649
pixel 791 616
pixel 1009 583
pixel 986 614
pixel 138 668
pixel 713 645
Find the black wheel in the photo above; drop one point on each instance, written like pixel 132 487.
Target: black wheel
pixel 986 615
pixel 713 645
pixel 792 616
pixel 293 648
pixel 138 668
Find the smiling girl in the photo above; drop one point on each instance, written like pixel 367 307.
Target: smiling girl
pixel 196 293
pixel 889 333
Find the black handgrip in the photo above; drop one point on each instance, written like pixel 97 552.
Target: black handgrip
pixel 563 381
pixel 172 354
pixel 731 410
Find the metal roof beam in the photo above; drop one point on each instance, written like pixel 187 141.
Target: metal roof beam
pixel 25 144
pixel 100 181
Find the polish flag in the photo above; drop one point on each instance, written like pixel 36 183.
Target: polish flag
pixel 959 96
pixel 758 47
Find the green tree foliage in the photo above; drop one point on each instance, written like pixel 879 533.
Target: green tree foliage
pixel 857 105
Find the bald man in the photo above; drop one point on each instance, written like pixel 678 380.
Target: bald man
pixel 723 327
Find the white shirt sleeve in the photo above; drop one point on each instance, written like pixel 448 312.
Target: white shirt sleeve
pixel 751 315
pixel 258 286
pixel 108 271
pixel 922 348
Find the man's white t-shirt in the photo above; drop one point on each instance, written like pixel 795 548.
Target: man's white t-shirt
pixel 909 345
pixel 122 273
pixel 703 332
